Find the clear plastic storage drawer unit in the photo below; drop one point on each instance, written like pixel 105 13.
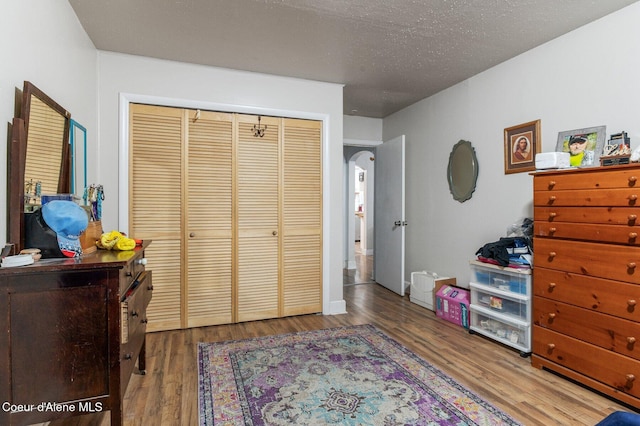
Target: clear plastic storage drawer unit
pixel 501 304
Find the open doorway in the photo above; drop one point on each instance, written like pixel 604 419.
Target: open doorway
pixel 359 267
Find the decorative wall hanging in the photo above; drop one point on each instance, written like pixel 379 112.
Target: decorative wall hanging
pixel 521 144
pixel 584 146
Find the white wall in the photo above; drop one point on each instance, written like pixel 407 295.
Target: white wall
pixel 43 42
pixel 586 78
pixel 180 84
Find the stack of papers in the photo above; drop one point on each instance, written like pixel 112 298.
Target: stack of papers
pixel 17 260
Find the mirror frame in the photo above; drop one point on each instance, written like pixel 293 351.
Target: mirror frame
pixel 17 160
pixel 463 194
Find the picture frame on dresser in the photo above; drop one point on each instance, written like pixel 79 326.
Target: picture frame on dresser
pixel 585 146
pixel 521 144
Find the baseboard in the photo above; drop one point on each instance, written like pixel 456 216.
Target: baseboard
pixel 337 307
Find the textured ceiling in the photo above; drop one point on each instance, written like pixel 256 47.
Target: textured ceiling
pixel 388 53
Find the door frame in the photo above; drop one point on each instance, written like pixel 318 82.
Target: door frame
pixel 123 165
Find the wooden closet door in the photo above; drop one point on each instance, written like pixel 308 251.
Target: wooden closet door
pixel 257 199
pixel 155 200
pixel 302 217
pixel 208 231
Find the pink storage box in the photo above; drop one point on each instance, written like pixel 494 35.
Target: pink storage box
pixel 452 304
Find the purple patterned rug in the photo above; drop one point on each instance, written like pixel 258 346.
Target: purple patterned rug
pixel 341 376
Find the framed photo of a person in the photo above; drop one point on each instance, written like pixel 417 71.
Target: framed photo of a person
pixel 584 146
pixel 521 144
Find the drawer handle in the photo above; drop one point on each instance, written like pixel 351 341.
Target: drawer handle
pixel 631 265
pixel 633 197
pixel 552 315
pixel 552 286
pixel 134 313
pixel 552 183
pixel 633 235
pixel 144 321
pixel 631 340
pixel 552 230
pixel 632 179
pixel 150 287
pixel 632 217
pixel 552 198
pixel 630 377
pixel 127 356
pixel 552 215
pixel 551 346
pixel 552 254
pixel 631 302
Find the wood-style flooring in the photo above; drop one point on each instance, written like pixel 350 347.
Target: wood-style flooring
pixel 168 395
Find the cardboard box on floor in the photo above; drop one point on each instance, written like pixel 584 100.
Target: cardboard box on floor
pixel 438 283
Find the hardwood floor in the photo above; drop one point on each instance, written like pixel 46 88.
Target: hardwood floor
pixel 168 395
pixel 364 269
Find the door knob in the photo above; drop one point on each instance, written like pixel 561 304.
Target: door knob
pixel 274 233
pixel 397 223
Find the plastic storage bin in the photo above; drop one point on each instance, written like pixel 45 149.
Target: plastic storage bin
pixel 510 332
pixel 501 304
pixel 511 279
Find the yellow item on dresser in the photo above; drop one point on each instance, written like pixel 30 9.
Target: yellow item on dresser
pixel 115 240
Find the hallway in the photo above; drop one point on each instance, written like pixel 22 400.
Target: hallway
pixel 363 272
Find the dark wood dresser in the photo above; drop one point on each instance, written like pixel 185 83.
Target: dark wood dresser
pixel 586 277
pixel 71 331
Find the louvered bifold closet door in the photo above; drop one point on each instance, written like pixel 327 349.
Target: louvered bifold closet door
pixel 257 201
pixel 155 176
pixel 302 217
pixel 209 219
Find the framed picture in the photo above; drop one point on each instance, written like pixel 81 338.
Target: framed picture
pixel 584 146
pixel 521 144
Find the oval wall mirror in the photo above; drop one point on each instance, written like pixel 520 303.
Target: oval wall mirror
pixel 462 171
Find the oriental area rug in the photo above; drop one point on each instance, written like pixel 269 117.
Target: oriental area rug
pixel 353 375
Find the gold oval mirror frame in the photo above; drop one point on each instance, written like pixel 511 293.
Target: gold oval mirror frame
pixel 462 171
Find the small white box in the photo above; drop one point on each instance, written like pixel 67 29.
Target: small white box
pixel 423 287
pixel 552 160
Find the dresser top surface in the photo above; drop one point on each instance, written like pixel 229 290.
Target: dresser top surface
pixel 97 260
pixel 586 169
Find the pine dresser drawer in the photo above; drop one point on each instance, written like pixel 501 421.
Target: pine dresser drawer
pixel 611 261
pixel 604 215
pixel 617 371
pixel 601 295
pixel 596 178
pixel 609 332
pixel 617 197
pixel 618 234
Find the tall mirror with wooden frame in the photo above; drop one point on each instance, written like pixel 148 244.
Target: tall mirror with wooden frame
pixel 39 157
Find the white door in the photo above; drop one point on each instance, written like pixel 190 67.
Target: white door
pixel 389 216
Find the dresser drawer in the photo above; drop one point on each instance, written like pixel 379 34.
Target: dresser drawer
pixel 604 215
pixel 618 371
pixel 609 332
pixel 131 271
pixel 629 197
pixel 619 234
pixel 617 262
pixel 588 179
pixel 609 297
